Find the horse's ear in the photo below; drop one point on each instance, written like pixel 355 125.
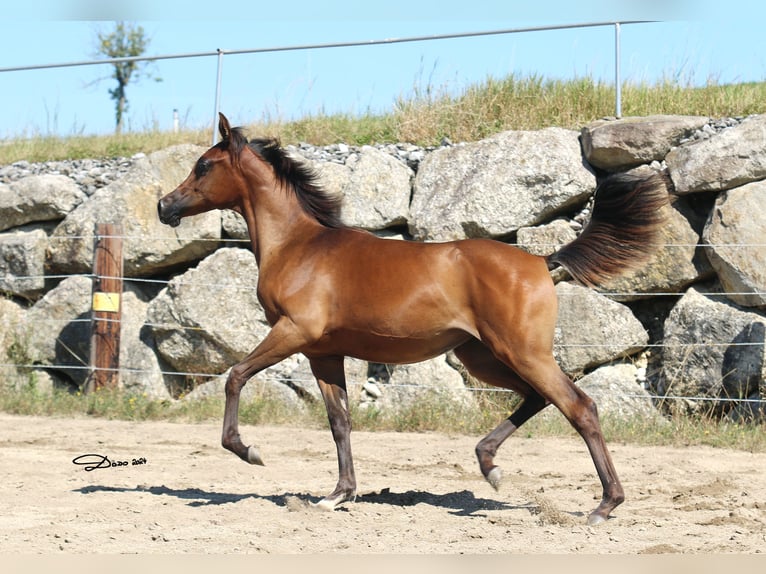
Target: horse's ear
pixel 223 127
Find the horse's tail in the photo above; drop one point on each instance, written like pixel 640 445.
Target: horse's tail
pixel 622 232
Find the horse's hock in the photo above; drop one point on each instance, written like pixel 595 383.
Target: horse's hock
pixel 508 186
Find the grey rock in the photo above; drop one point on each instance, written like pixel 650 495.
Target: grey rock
pixel 592 329
pixel 375 188
pixel 618 393
pixel 140 369
pixel 547 238
pixel 712 349
pixel 677 263
pixel 150 247
pixel 433 378
pixel 22 262
pixel 38 198
pixel 56 329
pixel 202 324
pixel 13 348
pixel 616 145
pixel 493 187
pixel 255 389
pixel 735 234
pixel 730 158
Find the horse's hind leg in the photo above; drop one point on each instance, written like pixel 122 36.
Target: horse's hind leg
pixel 542 373
pixel 332 383
pixel 582 413
pixel 483 365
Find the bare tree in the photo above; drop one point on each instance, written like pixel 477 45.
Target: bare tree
pixel 126 40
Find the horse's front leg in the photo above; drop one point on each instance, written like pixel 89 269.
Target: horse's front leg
pixel 332 383
pixel 283 340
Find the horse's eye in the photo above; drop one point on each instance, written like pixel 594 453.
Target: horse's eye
pixel 202 167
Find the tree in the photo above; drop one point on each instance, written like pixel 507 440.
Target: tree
pixel 125 41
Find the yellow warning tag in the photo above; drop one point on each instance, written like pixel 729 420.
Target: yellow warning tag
pixel 106 302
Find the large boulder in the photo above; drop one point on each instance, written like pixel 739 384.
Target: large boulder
pixel 22 261
pixel 302 380
pixel 733 157
pixel 140 368
pixel 616 145
pixel 545 239
pixel 493 187
pixel 677 263
pixel 56 330
pixel 407 384
pixel 618 393
pixel 734 233
pixel 38 198
pixel 712 349
pixel 374 185
pixel 150 247
pixel 13 351
pixel 591 329
pixel 209 318
pixel 255 389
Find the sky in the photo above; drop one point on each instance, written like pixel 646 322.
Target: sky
pixel 692 40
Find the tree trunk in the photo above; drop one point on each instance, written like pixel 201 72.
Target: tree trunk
pixel 120 113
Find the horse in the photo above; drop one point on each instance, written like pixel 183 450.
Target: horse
pixel 490 302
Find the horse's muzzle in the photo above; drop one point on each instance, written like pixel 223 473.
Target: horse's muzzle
pixel 168 214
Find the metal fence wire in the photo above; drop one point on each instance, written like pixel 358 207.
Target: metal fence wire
pixel 219 54
pixel 158 284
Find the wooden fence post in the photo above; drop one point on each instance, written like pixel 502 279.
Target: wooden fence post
pixel 107 308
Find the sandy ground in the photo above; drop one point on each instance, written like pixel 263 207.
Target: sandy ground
pixel 418 493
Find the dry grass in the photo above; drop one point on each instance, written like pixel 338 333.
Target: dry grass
pixel 429 414
pixel 429 115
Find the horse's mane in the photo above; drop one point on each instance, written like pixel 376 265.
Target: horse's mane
pixel 299 176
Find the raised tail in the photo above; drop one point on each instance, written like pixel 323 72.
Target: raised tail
pixel 622 232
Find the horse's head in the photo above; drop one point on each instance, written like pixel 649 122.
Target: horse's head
pixel 214 182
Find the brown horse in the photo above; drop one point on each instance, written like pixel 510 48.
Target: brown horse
pixel 493 304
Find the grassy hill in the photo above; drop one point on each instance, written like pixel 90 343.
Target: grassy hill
pixel 427 116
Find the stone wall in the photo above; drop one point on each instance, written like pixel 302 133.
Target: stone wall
pixel 690 323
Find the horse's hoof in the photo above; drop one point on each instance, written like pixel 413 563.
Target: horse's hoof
pixel 253 456
pixel 595 519
pixel 494 477
pixel 326 504
pixel 332 501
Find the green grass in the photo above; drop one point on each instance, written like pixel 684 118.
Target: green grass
pixel 430 414
pixel 428 115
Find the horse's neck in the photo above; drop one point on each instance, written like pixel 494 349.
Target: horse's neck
pixel 275 222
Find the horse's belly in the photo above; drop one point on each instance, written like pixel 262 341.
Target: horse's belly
pixel 377 348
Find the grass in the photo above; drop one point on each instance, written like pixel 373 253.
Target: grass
pixel 430 414
pixel 429 115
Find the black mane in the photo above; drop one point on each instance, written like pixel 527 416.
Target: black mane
pixel 299 176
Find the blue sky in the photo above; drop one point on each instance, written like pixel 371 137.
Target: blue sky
pixel 694 40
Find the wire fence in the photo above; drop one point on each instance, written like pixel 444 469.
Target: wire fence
pixel 156 283
pixel 82 363
pixel 219 54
